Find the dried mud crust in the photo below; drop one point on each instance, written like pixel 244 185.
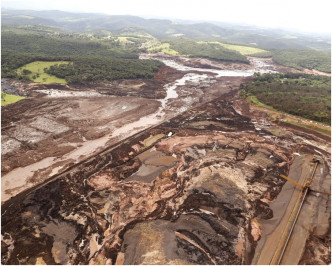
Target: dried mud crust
pixel 198 211
pixel 40 128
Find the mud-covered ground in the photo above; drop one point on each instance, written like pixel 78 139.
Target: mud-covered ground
pixel 191 187
pixel 59 125
pixel 151 89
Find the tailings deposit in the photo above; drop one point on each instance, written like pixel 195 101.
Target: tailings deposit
pixel 174 170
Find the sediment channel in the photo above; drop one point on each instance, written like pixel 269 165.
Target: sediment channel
pixel 197 186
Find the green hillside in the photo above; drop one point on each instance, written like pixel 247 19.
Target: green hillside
pixel 301 59
pixel 297 94
pixel 35 71
pixel 92 60
pixel 166 29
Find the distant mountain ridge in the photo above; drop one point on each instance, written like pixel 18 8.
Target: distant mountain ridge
pixel 165 29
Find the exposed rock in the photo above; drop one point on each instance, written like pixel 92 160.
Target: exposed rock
pixel 256 231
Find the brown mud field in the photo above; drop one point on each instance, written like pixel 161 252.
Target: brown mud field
pixel 60 125
pixel 182 187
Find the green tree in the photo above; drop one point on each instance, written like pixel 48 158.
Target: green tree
pixel 3 96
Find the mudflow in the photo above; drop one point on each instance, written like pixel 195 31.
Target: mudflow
pixel 174 170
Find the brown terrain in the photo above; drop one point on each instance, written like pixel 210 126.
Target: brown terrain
pixel 174 170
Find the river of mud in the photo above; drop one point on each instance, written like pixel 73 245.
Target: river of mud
pixel 186 178
pixel 180 96
pixel 256 65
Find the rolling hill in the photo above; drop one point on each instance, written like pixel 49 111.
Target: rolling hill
pixel 167 29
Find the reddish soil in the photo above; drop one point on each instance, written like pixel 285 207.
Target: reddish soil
pixel 191 198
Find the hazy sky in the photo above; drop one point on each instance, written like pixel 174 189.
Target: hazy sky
pixel 313 15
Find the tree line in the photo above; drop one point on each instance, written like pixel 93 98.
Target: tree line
pixel 92 60
pixel 301 59
pixel 303 95
pixel 90 69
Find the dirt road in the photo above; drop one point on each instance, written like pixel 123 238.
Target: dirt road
pixel 276 230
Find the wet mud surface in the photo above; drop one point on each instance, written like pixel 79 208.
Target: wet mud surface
pixel 198 211
pixel 60 125
pixel 190 190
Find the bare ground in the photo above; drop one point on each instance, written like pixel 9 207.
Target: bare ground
pixel 193 198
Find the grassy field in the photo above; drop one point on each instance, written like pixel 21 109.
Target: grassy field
pixel 164 47
pixel 245 50
pixel 37 71
pixel 252 99
pixel 124 40
pixel 9 98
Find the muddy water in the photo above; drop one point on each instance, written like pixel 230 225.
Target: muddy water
pixel 64 235
pixel 134 127
pixel 193 78
pixel 258 65
pixel 219 73
pixel 88 148
pixel 153 163
pixel 159 116
pixel 19 178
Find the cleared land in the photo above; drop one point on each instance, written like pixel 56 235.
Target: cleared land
pixel 38 74
pixel 123 40
pixel 245 50
pixel 164 47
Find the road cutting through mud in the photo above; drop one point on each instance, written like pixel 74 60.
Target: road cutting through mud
pixel 276 229
pixel 197 185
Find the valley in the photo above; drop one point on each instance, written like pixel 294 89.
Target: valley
pixel 128 140
pixel 174 170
